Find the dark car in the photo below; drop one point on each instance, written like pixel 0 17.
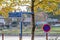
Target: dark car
pixel 14 24
pixel 1 26
pixel 26 23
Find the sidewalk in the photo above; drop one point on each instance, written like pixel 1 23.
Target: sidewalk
pixel 29 38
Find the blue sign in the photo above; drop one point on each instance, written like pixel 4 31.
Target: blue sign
pixel 46 28
pixel 14 14
pixel 18 14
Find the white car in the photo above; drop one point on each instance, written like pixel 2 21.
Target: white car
pixel 41 22
pixel 2 20
pixel 56 25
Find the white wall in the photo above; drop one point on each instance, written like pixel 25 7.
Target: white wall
pixel 2 20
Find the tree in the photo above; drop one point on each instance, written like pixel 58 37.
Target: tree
pixel 10 4
pixel 47 5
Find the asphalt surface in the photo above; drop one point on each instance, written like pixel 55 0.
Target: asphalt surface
pixel 29 38
pixel 43 34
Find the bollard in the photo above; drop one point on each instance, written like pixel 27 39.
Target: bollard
pixel 20 37
pixel 2 36
pixel 46 36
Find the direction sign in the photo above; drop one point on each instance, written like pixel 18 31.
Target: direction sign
pixel 18 14
pixel 14 14
pixel 46 28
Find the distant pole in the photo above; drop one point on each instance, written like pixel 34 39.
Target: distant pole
pixel 2 35
pixel 33 21
pixel 21 32
pixel 46 28
pixel 21 28
pixel 46 36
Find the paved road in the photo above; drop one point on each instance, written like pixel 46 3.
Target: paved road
pixel 29 38
pixel 27 34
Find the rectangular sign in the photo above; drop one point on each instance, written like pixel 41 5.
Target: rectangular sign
pixel 18 14
pixel 15 14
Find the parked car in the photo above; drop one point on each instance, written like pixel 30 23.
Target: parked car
pixel 26 23
pixel 1 26
pixel 14 24
pixel 41 22
pixel 2 22
pixel 56 25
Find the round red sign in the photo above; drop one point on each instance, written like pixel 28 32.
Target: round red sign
pixel 46 28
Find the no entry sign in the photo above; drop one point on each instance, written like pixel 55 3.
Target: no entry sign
pixel 46 28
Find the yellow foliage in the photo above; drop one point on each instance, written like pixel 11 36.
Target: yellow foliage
pixel 57 12
pixel 47 5
pixel 45 2
pixel 53 6
pixel 5 15
pixel 4 11
pixel 35 9
pixel 48 9
pixel 1 1
pixel 57 0
pixel 36 2
pixel 0 4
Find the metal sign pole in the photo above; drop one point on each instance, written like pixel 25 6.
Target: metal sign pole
pixel 21 31
pixel 2 35
pixel 46 28
pixel 46 36
pixel 19 14
pixel 21 28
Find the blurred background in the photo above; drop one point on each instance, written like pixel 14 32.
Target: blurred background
pixel 45 12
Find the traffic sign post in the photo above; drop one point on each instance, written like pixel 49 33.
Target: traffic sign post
pixel 21 27
pixel 2 36
pixel 18 14
pixel 46 28
pixel 46 36
pixel 21 31
pixel 14 14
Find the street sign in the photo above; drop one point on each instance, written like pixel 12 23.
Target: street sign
pixel 14 14
pixel 18 14
pixel 46 28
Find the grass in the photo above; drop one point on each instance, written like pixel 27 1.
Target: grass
pixel 37 31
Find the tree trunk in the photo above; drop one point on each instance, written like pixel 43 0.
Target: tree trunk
pixel 33 19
